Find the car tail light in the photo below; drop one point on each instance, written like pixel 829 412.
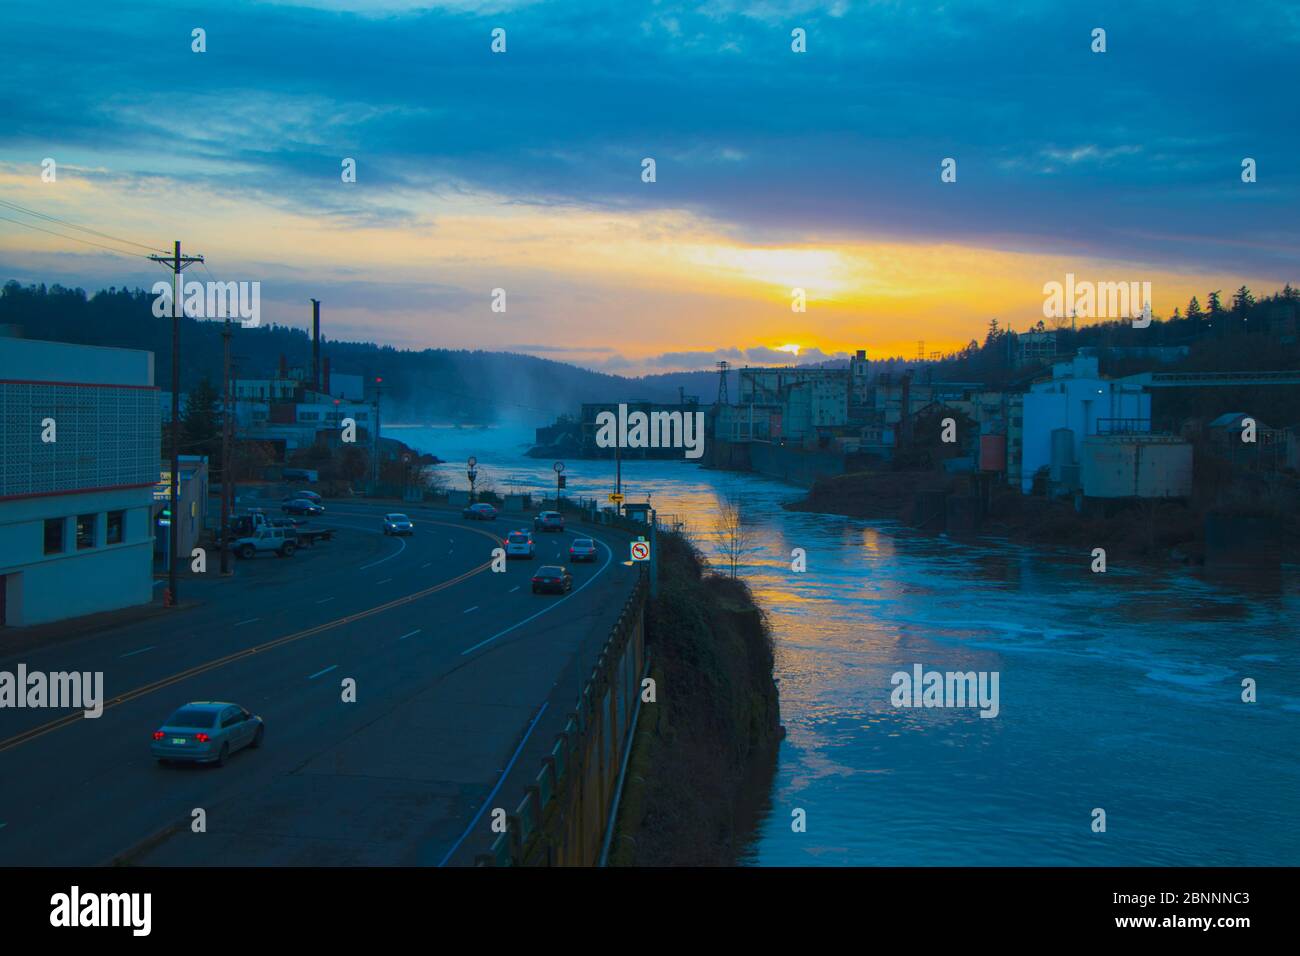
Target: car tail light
pixel 158 735
pixel 201 738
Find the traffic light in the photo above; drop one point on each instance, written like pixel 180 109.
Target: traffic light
pixel 561 482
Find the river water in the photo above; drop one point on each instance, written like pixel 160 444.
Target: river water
pixel 1118 691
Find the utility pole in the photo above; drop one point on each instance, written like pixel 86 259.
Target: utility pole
pixel 374 464
pixel 177 263
pixel 227 413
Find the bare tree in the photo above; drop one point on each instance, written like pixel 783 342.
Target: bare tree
pixel 733 534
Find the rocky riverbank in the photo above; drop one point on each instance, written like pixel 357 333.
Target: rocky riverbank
pixel 705 751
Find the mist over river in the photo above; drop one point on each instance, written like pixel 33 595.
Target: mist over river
pixel 1119 691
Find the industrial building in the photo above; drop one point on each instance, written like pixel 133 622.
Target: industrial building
pixel 1075 404
pixel 808 398
pixel 1136 466
pixel 79 428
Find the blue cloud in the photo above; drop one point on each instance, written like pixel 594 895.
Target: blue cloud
pixel 1132 154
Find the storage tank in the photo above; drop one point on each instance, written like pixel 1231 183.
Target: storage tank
pixel 993 453
pixel 1136 466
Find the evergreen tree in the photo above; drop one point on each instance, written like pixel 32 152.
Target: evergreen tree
pixel 201 423
pixel 1242 300
pixel 1194 310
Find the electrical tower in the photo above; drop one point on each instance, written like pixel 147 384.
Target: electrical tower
pixel 722 383
pixel 920 350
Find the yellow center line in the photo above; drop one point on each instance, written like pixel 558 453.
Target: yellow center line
pixel 139 692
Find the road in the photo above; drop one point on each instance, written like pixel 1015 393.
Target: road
pixel 460 673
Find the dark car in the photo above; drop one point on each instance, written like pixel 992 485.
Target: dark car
pixel 582 549
pixel 304 495
pixel 552 579
pixel 301 506
pixel 480 512
pixel 549 521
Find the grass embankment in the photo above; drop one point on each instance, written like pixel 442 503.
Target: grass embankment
pixel 1157 530
pixel 705 750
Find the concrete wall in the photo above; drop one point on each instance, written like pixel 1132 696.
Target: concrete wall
pixel 793 464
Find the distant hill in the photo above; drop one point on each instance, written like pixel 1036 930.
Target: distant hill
pixel 432 385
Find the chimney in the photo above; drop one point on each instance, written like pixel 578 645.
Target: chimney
pixel 325 376
pixel 315 344
pixel 284 367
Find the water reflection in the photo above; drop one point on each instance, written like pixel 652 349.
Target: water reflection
pixel 1119 690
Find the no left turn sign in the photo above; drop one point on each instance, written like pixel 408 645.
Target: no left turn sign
pixel 640 550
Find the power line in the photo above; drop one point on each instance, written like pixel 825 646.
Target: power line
pixel 72 225
pixel 73 238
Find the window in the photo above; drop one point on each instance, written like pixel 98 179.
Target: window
pixel 114 530
pixel 85 531
pixel 54 535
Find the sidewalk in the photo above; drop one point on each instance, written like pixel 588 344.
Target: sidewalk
pixel 15 641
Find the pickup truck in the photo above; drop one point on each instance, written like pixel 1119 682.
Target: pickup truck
pixel 243 527
pixel 275 540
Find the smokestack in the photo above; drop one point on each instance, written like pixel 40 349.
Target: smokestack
pixel 325 376
pixel 315 344
pixel 284 367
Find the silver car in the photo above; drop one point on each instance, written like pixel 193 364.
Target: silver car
pixel 398 524
pixel 206 731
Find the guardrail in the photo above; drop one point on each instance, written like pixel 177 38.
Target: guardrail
pixel 563 816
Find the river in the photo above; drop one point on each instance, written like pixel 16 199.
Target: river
pixel 1118 691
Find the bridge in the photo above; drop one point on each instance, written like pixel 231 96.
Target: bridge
pixel 1210 379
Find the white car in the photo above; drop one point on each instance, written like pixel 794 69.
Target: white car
pixel 398 524
pixel 519 544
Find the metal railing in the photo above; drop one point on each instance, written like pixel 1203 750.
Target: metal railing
pixel 565 812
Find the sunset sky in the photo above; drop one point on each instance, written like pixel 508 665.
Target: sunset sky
pixel 775 170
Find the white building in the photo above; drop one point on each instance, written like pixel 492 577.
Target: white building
pixel 79 443
pixel 1078 403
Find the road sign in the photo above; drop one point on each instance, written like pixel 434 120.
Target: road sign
pixel 559 467
pixel 616 499
pixel 640 550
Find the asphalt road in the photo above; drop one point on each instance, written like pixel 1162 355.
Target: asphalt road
pixel 461 673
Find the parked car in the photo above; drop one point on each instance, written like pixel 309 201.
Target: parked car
pixel 301 506
pixel 552 579
pixel 206 731
pixel 398 524
pixel 519 544
pixel 548 521
pixel 480 512
pixel 582 549
pixel 304 495
pixel 280 541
